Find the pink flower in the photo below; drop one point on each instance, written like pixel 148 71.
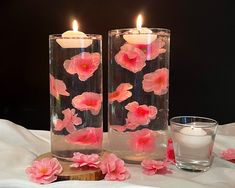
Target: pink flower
pixel 152 50
pixel 121 93
pixel 44 171
pixel 170 155
pixel 57 87
pixel 131 58
pixel 84 64
pixel 140 114
pixel 157 81
pixel 70 119
pixel 81 160
pixel 142 140
pixel 114 168
pixel 228 154
pixel 122 128
pixel 151 167
pixel 88 101
pixel 86 136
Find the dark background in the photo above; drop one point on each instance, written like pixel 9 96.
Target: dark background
pixel 202 72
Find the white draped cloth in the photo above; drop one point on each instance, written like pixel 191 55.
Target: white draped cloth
pixel 19 147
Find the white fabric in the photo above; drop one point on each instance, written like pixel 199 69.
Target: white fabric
pixel 20 146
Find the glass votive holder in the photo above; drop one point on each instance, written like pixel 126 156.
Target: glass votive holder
pixel 193 139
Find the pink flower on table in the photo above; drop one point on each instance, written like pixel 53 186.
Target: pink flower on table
pixel 57 87
pixel 157 81
pixel 44 171
pixel 151 167
pixel 152 50
pixel 131 58
pixel 142 140
pixel 170 155
pixel 84 65
pixel 121 93
pixel 114 168
pixel 81 160
pixel 228 154
pixel 88 101
pixel 140 114
pixel 70 119
pixel 86 136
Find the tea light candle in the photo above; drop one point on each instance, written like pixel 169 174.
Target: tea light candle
pixel 140 35
pixel 193 137
pixel 74 38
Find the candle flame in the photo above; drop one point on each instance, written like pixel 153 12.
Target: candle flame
pixel 139 21
pixel 75 25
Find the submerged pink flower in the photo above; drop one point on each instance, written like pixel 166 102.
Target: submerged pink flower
pixel 81 160
pixel 44 171
pixel 142 140
pixel 84 65
pixel 88 101
pixel 157 81
pixel 131 58
pixel 70 119
pixel 228 154
pixel 57 87
pixel 122 128
pixel 114 168
pixel 121 93
pixel 151 167
pixel 152 50
pixel 140 114
pixel 86 136
pixel 170 155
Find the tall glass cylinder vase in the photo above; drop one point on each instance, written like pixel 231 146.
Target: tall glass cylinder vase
pixel 75 94
pixel 138 82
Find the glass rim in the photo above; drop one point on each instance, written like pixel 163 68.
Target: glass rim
pixel 88 36
pixel 154 29
pixel 211 122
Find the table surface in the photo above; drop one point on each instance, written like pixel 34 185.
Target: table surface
pixel 20 147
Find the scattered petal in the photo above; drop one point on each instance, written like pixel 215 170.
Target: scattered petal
pixel 86 136
pixel 121 93
pixel 84 65
pixel 44 171
pixel 81 160
pixel 151 167
pixel 88 101
pixel 70 119
pixel 157 81
pixel 228 154
pixel 170 155
pixel 140 114
pixel 57 87
pixel 131 58
pixel 142 140
pixel 114 168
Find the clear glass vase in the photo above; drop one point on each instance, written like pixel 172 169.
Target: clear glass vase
pixel 75 95
pixel 138 83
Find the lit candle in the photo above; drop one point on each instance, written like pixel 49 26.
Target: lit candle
pixel 140 35
pixel 74 38
pixel 193 137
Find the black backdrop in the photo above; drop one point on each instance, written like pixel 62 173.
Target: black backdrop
pixel 202 79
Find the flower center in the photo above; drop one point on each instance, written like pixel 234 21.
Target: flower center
pixel 141 111
pixel 90 102
pixel 143 140
pixel 44 170
pixel 129 60
pixel 160 80
pixel 115 94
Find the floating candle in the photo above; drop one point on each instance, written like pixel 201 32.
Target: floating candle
pixel 74 38
pixel 140 35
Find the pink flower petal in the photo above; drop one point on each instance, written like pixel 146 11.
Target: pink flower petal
pixel 86 136
pixel 114 168
pixel 57 87
pixel 121 93
pixel 157 81
pixel 140 114
pixel 84 65
pixel 228 154
pixel 131 58
pixel 88 101
pixel 80 160
pixel 70 119
pixel 170 155
pixel 44 171
pixel 151 167
pixel 142 140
